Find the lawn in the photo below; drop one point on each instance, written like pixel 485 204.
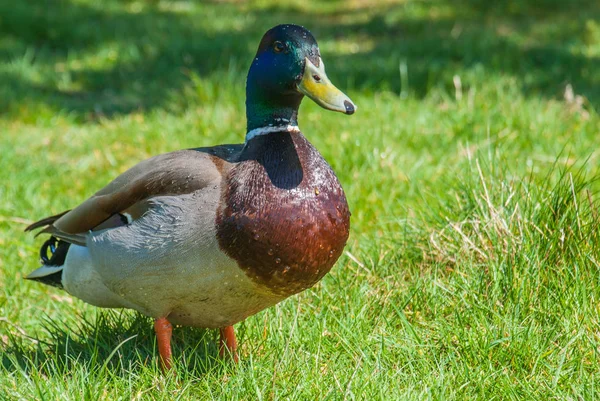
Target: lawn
pixel 471 169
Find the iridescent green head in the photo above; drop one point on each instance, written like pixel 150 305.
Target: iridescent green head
pixel 286 67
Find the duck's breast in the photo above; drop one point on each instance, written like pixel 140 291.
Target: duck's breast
pixel 284 216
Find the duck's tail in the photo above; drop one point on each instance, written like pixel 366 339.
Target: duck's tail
pixel 52 254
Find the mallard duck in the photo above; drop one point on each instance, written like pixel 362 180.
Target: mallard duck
pixel 207 237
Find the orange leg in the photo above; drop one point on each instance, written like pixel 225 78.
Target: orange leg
pixel 163 330
pixel 227 343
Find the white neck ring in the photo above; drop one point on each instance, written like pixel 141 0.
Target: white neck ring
pixel 270 129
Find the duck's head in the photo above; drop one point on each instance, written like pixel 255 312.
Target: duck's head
pixel 288 66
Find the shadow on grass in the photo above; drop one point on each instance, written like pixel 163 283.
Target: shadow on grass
pixel 119 341
pixel 101 58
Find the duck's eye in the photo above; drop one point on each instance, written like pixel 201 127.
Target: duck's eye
pixel 278 47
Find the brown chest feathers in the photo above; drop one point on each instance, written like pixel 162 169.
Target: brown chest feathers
pixel 285 218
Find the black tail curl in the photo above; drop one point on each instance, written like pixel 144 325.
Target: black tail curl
pixel 58 252
pixel 56 257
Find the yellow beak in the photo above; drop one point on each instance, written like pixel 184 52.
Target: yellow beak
pixel 319 88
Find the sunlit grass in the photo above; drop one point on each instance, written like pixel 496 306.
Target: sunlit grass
pixel 473 265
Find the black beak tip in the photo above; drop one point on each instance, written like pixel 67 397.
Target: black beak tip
pixel 349 107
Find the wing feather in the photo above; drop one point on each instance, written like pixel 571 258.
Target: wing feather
pixel 173 173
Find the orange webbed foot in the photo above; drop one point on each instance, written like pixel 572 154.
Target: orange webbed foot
pixel 164 330
pixel 227 343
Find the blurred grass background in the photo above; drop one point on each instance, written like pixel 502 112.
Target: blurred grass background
pixel 470 168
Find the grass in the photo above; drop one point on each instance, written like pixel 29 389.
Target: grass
pixel 472 270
